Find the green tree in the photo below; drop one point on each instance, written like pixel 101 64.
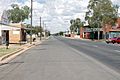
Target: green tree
pixel 35 29
pixel 17 14
pixel 72 26
pixel 75 25
pixel 100 12
pixel 78 24
pixel 116 7
pixel 28 29
pixel 61 33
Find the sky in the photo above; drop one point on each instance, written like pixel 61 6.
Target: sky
pixel 56 14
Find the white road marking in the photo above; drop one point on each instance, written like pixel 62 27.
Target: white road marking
pixel 116 50
pixel 83 43
pixel 97 62
pixel 95 46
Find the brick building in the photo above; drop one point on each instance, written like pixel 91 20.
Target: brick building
pixel 112 31
pixel 14 33
pixel 5 33
pixel 90 33
pixel 15 36
pixel 108 31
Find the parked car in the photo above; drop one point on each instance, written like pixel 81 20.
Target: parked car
pixel 117 40
pixel 111 40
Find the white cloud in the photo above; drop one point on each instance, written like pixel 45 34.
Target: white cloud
pixel 55 13
pixel 4 5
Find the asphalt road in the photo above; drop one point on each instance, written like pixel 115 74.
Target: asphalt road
pixel 61 59
pixel 108 54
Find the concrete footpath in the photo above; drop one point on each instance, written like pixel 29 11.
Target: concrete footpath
pixel 54 60
pixel 20 49
pixel 78 38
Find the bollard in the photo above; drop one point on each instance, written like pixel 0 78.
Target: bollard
pixel 7 44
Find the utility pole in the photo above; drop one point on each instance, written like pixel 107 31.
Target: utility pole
pixel 45 29
pixel 43 25
pixel 98 31
pixel 31 21
pixel 40 29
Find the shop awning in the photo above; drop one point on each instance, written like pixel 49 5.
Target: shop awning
pixel 5 27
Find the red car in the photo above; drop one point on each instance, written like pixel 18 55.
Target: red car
pixel 111 40
pixel 117 40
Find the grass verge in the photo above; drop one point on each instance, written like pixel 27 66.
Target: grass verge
pixel 4 51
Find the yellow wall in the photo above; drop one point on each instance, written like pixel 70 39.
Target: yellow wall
pixel 14 36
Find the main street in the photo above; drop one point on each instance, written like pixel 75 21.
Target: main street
pixel 60 58
pixel 108 54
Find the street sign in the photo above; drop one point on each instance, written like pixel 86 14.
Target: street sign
pixel 96 29
pixel 87 30
pixel 92 29
pixel 4 18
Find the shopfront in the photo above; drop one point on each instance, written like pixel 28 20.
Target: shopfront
pixel 114 33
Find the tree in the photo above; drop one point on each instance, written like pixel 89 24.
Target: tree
pixel 75 25
pixel 61 33
pixel 78 24
pixel 28 29
pixel 72 22
pixel 100 12
pixel 35 29
pixel 17 14
pixel 116 7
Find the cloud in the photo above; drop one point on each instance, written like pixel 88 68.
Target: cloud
pixel 55 13
pixel 4 4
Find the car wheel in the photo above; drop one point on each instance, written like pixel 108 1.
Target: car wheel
pixel 113 42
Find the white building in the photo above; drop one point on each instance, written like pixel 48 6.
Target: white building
pixel 4 32
pixel 3 20
pixel 3 26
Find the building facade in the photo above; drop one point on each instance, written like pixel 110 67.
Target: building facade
pixel 17 35
pixel 107 31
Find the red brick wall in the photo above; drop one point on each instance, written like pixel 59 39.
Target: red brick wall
pixel 81 32
pixel 106 28
pixel 118 22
